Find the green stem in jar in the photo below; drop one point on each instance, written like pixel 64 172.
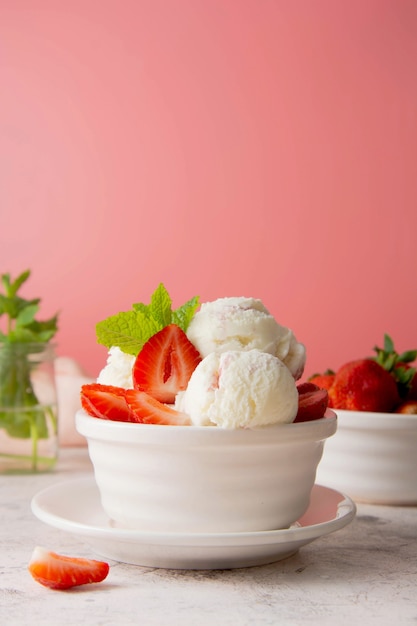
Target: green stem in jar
pixel 22 343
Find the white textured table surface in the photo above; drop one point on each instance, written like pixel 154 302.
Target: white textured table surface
pixel 365 573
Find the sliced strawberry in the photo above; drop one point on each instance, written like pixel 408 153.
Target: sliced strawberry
pixel 312 402
pixel 106 402
pixel 164 365
pixel 62 572
pixel 148 410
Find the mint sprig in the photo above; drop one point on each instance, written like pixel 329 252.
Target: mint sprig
pixel 19 314
pixel 130 330
pixel 22 336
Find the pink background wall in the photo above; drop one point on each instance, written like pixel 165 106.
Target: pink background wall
pixel 224 147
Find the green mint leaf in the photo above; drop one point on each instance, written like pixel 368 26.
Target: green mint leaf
pixel 5 279
pixel 160 306
pixel 3 304
pixel 46 328
pixel 33 332
pixel 143 308
pixel 22 304
pixel 21 335
pixel 18 282
pixel 129 331
pixel 184 314
pixel 20 413
pixel 12 287
pixel 14 305
pixel 27 314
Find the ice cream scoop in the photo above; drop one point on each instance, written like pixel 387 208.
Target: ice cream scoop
pixel 118 370
pixel 240 389
pixel 244 324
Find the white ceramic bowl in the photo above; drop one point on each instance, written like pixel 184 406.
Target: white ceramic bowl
pixel 372 457
pixel 204 479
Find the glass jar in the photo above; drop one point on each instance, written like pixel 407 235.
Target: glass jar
pixel 28 408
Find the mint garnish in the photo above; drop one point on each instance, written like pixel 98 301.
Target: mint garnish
pixel 130 330
pixel 21 337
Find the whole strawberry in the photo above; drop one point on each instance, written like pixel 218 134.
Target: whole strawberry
pixel 364 385
pixel 324 381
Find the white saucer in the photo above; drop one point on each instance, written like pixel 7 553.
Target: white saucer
pixel 75 507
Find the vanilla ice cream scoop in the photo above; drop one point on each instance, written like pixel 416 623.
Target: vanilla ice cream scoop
pixel 118 370
pixel 244 324
pixel 240 389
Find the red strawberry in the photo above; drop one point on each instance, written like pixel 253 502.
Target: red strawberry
pixel 106 402
pixel 324 381
pixel 364 385
pixel 150 411
pixel 312 402
pixel 164 365
pixel 409 407
pixel 62 572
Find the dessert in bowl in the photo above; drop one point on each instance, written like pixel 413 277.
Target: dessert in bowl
pixel 373 456
pixel 204 479
pixel 200 426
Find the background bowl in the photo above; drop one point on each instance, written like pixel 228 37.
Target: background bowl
pixel 204 479
pixel 372 457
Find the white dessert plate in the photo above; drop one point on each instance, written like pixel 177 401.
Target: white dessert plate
pixel 74 506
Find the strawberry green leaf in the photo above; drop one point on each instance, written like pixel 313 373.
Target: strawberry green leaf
pixel 408 357
pixel 388 344
pixel 394 363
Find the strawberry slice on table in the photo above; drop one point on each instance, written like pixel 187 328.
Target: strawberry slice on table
pixel 312 402
pixel 165 364
pixel 148 410
pixel 106 402
pixel 63 572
